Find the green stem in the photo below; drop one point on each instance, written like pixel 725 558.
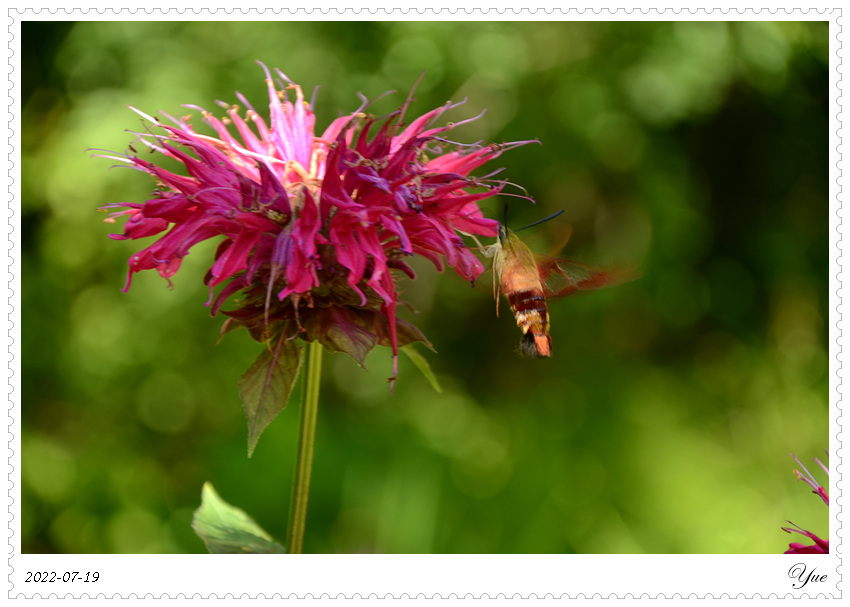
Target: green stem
pixel 304 461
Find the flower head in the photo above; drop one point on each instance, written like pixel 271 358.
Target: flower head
pixel 314 228
pixel 820 546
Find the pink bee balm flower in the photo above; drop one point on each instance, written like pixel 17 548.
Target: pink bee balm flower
pixel 313 228
pixel 820 546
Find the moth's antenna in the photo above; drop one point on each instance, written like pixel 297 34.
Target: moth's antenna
pixel 531 225
pixel 506 216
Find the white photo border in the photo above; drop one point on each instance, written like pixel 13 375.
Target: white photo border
pixel 431 576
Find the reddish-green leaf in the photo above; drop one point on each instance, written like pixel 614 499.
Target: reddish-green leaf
pixel 345 330
pixel 265 387
pixel 355 331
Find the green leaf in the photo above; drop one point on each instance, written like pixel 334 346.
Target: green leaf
pixel 423 367
pixel 266 386
pixel 226 529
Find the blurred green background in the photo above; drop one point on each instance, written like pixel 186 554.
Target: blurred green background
pixel 696 152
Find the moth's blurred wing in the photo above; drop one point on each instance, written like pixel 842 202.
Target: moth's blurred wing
pixel 563 277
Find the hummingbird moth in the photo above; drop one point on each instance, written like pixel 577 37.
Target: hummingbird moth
pixel 527 280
